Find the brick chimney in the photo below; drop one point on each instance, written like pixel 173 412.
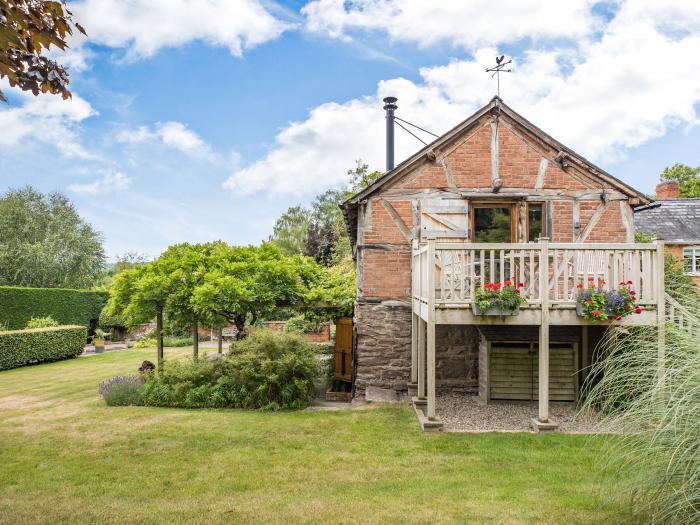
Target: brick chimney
pixel 667 190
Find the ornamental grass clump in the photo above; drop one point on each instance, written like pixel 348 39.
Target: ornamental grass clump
pixel 505 296
pixel 122 390
pixel 653 398
pixel 598 303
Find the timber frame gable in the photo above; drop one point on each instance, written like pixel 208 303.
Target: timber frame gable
pixel 434 163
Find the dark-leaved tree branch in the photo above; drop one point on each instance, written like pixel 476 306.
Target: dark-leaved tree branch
pixel 28 28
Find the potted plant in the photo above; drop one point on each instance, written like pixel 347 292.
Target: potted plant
pixel 596 302
pixel 498 299
pixel 98 340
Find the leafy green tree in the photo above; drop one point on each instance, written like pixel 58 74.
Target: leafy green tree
pixel 45 243
pixel 244 284
pixel 361 178
pixel 186 266
pixel 291 230
pixel 688 179
pixel 28 28
pixel 140 294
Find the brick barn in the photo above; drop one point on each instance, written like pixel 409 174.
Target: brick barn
pixel 493 199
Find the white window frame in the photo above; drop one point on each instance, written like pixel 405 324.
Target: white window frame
pixel 692 252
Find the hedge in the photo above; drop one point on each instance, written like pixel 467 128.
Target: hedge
pixel 22 347
pixel 66 306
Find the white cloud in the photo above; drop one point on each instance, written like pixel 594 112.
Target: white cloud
pixel 636 81
pixel 109 183
pixel 48 119
pixel 173 134
pixel 469 24
pixel 146 26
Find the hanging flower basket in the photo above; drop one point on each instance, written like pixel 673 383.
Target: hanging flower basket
pixel 595 302
pixel 498 299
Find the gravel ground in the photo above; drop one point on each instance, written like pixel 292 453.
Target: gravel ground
pixel 464 413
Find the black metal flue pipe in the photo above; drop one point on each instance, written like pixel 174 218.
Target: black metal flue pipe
pixel 390 106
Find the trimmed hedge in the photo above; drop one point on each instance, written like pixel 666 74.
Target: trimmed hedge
pixel 18 305
pixel 22 347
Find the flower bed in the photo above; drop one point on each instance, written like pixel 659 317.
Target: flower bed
pixel 498 299
pixel 595 302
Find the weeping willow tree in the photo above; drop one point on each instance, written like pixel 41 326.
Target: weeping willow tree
pixel 657 409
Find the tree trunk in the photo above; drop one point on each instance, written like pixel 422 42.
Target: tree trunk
pixel 195 341
pixel 219 340
pixel 239 321
pixel 159 336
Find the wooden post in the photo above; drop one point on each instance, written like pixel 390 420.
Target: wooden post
pixel 219 341
pixel 159 336
pixel 431 328
pixel 414 318
pixel 543 414
pixel 195 341
pixel 661 311
pixel 585 354
pixel 421 358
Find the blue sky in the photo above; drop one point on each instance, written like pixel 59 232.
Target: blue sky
pixel 197 123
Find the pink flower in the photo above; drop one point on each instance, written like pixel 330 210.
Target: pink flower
pixel 516 291
pixel 508 283
pixel 629 282
pixel 579 286
pixel 520 285
pixel 618 318
pixel 638 310
pixel 596 312
pixel 591 279
pixel 633 292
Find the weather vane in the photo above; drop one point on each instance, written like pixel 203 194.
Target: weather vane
pixel 498 69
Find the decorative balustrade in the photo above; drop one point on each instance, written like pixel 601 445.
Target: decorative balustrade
pixel 461 268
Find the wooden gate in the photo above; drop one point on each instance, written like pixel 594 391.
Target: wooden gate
pixel 343 349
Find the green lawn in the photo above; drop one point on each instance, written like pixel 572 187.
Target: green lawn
pixel 65 457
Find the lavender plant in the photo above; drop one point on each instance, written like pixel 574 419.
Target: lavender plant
pixel 122 390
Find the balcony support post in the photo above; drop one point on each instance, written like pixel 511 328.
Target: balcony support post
pixel 543 413
pixel 431 329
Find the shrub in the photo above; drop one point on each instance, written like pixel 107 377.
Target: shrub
pixel 41 322
pixel 122 391
pixel 150 341
pixel 267 370
pixel 67 307
pixel 21 347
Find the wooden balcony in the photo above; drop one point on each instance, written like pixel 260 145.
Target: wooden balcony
pixel 446 275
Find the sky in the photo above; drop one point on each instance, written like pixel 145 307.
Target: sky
pixel 197 120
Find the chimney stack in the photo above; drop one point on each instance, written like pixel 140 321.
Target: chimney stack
pixel 667 190
pixel 390 106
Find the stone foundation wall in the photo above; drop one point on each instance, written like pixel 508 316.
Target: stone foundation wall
pixel 384 350
pixel 383 345
pixel 456 358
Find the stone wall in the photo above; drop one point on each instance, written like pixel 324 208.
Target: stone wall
pixel 456 358
pixel 383 345
pixel 384 350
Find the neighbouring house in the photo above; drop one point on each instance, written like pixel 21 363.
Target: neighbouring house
pixel 494 198
pixel 676 221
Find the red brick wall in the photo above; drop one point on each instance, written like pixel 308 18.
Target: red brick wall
pixel 385 273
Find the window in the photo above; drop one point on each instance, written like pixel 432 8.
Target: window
pixel 535 221
pixel 691 259
pixel 493 223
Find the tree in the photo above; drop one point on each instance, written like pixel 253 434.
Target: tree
pixel 45 243
pixel 361 178
pixel 688 179
pixel 140 294
pixel 244 284
pixel 185 266
pixel 290 231
pixel 28 28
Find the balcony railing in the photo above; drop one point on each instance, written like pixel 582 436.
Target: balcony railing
pixel 459 269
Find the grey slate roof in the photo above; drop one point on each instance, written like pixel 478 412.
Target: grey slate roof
pixel 672 220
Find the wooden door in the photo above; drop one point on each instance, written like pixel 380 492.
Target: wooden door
pixel 514 371
pixel 343 349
